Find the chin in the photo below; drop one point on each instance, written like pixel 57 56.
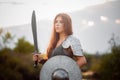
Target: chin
pixel 58 32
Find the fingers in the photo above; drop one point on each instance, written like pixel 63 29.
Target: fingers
pixel 35 57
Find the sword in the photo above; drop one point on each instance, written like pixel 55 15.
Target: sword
pixel 34 31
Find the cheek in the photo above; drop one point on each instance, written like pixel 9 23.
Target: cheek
pixel 62 29
pixel 59 28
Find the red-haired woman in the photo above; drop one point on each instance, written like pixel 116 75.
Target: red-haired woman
pixel 62 41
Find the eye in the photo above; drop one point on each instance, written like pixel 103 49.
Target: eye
pixel 61 21
pixel 56 21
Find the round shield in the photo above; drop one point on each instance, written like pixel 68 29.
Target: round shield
pixel 61 66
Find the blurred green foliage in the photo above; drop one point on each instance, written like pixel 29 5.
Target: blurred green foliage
pixel 106 66
pixel 5 38
pixel 23 46
pixel 109 65
pixel 17 64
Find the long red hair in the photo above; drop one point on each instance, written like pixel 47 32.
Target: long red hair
pixel 55 36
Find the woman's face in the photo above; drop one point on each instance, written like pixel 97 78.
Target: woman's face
pixel 59 25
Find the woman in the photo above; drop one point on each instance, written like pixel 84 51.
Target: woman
pixel 63 42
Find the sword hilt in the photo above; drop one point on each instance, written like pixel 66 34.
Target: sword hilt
pixel 35 62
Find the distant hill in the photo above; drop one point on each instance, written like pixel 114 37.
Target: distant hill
pixel 43 32
pixel 96 37
pixel 93 38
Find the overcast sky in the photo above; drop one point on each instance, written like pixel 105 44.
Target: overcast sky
pixel 16 12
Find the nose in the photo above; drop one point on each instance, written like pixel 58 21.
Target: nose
pixel 57 24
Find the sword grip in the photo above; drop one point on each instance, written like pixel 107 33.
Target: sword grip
pixel 35 64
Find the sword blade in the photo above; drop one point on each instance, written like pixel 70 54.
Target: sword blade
pixel 34 30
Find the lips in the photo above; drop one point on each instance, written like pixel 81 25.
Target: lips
pixel 57 28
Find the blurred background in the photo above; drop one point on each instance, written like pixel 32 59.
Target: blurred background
pixel 95 22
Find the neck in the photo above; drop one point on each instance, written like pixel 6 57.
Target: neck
pixel 62 36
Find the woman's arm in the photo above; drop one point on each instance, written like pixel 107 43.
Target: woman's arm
pixel 75 48
pixel 81 60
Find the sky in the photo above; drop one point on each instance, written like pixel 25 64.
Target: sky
pixel 17 12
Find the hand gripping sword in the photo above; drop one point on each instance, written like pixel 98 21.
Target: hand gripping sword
pixel 34 31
